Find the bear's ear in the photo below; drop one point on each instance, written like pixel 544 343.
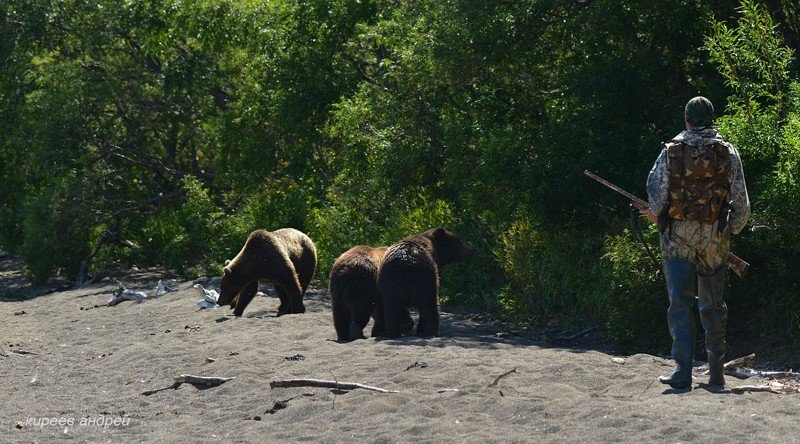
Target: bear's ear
pixel 440 232
pixel 227 261
pixel 226 271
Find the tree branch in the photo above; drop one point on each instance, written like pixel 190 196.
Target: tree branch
pixel 327 384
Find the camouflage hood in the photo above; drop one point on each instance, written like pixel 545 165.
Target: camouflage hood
pixel 698 137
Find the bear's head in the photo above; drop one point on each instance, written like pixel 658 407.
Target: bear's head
pixel 449 248
pixel 229 287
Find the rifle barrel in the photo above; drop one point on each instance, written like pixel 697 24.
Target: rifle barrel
pixel 734 262
pixel 636 200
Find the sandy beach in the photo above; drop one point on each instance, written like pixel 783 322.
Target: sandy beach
pixel 70 367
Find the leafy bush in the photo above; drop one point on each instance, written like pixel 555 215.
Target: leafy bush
pixel 638 302
pixel 762 120
pixel 551 274
pixel 58 228
pixel 337 228
pixel 183 236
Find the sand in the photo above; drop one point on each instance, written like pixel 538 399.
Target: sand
pixel 95 364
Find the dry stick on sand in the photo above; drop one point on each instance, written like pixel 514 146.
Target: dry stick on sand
pixel 326 384
pixel 497 379
pixel 745 373
pixel 210 381
pixel 577 335
pixel 446 390
pixel 203 380
pixel 20 351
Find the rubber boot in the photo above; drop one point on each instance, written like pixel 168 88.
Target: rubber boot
pixel 714 317
pixel 681 278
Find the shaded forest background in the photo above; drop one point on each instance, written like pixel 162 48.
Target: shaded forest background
pixel 162 132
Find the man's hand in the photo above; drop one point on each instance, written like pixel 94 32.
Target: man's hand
pixel 650 216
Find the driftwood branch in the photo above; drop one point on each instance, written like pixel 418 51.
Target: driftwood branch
pixel 497 379
pixel 20 351
pixel 741 368
pixel 562 338
pixel 580 334
pixel 774 387
pixel 446 390
pixel 210 381
pixel 123 294
pixel 744 361
pixel 326 384
pixel 744 373
pixel 202 380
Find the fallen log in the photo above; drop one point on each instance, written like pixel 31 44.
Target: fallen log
pixel 326 384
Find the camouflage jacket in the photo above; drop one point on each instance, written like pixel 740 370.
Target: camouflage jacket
pixel 658 180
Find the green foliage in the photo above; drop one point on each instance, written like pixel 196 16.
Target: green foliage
pixel 550 274
pixel 752 58
pixel 55 221
pixel 163 132
pixel 183 236
pixel 637 294
pixel 762 120
pixel 339 227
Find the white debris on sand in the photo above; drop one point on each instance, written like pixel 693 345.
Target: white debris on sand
pixel 160 290
pixel 123 294
pixel 209 297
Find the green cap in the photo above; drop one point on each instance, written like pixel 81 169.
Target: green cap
pixel 699 112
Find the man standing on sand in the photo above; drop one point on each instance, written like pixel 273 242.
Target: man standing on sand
pixel 698 198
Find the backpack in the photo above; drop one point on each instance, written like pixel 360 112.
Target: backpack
pixel 699 189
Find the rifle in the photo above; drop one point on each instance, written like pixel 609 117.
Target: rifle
pixel 734 262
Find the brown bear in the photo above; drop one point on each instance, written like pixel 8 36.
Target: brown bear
pixel 354 292
pixel 409 276
pixel 287 258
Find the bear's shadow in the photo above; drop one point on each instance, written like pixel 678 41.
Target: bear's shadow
pixel 458 327
pixel 460 330
pixel 456 331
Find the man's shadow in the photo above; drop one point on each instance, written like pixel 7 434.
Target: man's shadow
pixel 700 386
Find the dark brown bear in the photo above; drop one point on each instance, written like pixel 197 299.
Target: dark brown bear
pixel 354 292
pixel 409 276
pixel 287 258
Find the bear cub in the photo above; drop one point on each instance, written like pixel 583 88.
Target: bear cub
pixel 354 291
pixel 286 258
pixel 409 276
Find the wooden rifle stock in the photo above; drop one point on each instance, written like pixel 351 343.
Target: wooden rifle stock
pixel 734 262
